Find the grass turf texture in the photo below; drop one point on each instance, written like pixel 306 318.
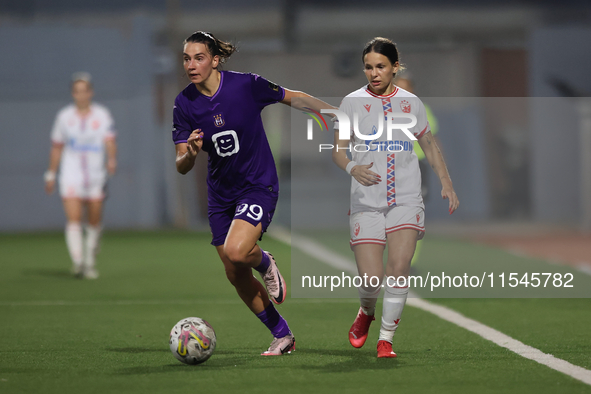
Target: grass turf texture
pixel 62 335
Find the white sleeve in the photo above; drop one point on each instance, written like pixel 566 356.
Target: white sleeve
pixel 422 127
pixel 346 108
pixel 58 135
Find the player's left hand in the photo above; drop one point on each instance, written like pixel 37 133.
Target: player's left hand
pixel 447 192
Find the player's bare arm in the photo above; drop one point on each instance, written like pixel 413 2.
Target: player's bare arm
pixel 187 152
pixel 435 158
pixel 111 148
pixel 361 173
pixel 55 156
pixel 305 101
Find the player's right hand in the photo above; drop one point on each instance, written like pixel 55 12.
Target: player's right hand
pixel 195 142
pixel 364 175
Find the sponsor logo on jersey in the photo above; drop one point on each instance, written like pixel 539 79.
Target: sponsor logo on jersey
pixel 385 146
pixel 226 143
pixel 84 146
pixel 218 120
pixel 405 106
pixel 95 124
pixel 367 107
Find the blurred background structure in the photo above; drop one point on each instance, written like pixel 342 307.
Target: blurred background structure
pixel 526 60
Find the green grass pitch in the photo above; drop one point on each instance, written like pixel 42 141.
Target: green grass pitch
pixel 62 335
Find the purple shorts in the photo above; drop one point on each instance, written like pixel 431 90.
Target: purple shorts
pixel 255 206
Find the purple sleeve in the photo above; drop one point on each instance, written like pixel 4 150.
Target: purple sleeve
pixel 264 91
pixel 181 129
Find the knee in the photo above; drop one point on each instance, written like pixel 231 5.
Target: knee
pixel 235 254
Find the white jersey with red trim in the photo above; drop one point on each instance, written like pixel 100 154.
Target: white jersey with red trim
pixel 83 138
pixel 393 158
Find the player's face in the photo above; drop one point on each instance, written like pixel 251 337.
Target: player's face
pixel 379 71
pixel 198 62
pixel 82 94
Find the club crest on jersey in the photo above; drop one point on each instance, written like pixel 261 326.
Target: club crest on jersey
pixel 405 106
pixel 218 120
pixel 367 107
pixel 357 229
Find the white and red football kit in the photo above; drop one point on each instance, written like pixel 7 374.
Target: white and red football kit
pixel 82 169
pixel 396 202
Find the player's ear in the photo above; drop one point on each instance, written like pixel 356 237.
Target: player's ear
pixel 216 61
pixel 396 66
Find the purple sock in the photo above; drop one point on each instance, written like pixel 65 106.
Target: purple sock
pixel 264 265
pixel 274 321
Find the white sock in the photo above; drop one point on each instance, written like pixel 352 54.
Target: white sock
pixel 93 235
pixel 74 242
pixel 394 300
pixel 368 298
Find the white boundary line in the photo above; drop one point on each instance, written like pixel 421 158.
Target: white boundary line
pixel 332 259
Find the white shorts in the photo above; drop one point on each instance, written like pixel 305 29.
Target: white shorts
pixel 372 227
pixel 83 191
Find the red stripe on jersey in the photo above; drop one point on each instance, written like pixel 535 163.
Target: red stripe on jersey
pixel 381 96
pixel 423 132
pixel 391 180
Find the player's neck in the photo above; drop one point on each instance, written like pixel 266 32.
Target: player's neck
pixel 210 86
pixel 382 92
pixel 83 111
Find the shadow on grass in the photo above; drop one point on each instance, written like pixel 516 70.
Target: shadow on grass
pixel 348 360
pixel 311 360
pixel 135 350
pixel 49 272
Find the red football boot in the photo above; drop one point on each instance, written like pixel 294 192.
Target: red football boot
pixel 385 350
pixel 359 329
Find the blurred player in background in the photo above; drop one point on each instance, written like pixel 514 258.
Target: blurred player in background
pixel 386 203
pixel 82 134
pixel 220 112
pixel 405 82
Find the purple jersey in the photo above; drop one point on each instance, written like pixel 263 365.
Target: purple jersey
pixel 233 135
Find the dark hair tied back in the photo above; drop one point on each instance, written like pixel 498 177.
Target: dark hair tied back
pixel 383 46
pixel 215 47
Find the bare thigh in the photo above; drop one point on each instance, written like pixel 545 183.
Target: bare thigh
pixel 241 246
pixel 73 209
pixel 370 260
pixel 94 211
pixel 401 248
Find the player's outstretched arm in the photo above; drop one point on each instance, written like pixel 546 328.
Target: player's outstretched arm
pixel 435 158
pixel 187 152
pixel 304 101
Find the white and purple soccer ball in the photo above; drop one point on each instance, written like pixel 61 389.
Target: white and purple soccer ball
pixel 192 340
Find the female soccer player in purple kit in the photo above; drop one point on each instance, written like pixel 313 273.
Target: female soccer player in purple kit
pixel 220 112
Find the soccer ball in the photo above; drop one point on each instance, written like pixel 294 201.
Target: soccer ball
pixel 192 340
